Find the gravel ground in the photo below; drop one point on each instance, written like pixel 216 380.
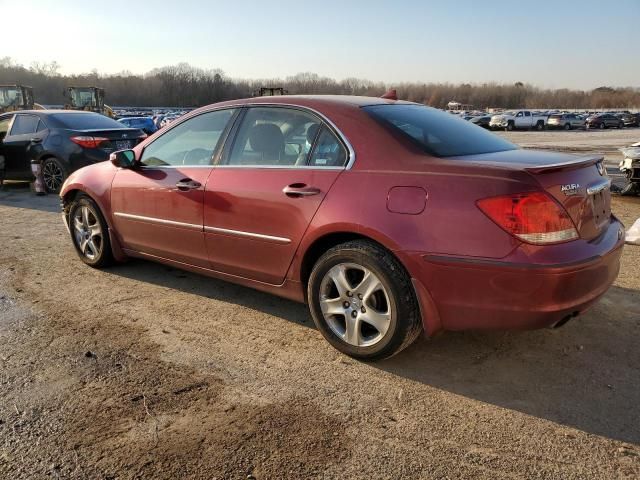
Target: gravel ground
pixel 144 371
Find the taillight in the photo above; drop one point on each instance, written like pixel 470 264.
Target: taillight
pixel 87 141
pixel 532 217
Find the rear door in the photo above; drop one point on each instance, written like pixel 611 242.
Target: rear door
pixel 268 186
pixel 158 207
pixel 17 142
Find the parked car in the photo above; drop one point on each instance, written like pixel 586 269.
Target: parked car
pixel 567 121
pixel 63 140
pixel 518 119
pixel 145 124
pixel 482 121
pixel 604 120
pixel 629 119
pixel 386 217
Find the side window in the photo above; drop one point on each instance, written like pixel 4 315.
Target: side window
pixel 41 126
pixel 193 142
pixel 274 136
pixel 519 114
pixel 328 151
pixel 24 125
pixel 527 114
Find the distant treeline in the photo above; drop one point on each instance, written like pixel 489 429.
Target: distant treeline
pixel 185 86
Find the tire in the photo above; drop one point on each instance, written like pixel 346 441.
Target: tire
pixel 53 174
pixel 342 306
pixel 602 126
pixel 510 126
pixel 90 232
pixel 540 126
pixel 567 126
pixel 621 125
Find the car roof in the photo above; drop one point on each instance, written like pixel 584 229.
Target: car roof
pixel 308 100
pixel 51 112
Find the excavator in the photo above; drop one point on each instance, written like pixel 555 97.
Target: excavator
pixel 17 97
pixel 269 92
pixel 90 99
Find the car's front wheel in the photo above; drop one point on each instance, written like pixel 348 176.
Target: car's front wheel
pixel 362 301
pixel 89 232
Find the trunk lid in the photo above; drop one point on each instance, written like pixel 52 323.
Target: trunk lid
pixel 579 183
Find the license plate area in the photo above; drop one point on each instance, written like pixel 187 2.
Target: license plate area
pixel 601 207
pixel 123 144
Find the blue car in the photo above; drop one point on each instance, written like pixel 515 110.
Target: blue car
pixel 145 124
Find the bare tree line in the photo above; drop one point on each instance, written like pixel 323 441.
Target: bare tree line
pixel 183 85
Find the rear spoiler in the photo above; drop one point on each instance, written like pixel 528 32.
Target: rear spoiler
pixel 578 162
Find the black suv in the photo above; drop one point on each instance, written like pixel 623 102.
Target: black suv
pixel 604 120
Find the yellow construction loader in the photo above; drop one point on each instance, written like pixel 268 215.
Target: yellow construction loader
pixel 17 97
pixel 90 99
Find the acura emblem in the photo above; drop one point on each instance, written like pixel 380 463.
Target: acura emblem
pixel 124 135
pixel 600 168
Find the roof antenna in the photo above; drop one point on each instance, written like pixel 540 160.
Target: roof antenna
pixel 391 94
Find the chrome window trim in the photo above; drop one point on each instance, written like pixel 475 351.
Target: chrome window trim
pixel 281 167
pixel 240 233
pixel 159 221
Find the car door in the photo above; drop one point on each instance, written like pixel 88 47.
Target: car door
pixel 519 120
pixel 17 142
pixel 158 206
pixel 527 122
pixel 266 189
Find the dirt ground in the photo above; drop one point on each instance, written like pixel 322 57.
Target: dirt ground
pixel 144 371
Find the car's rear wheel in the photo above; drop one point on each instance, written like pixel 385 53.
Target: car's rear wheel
pixel 567 126
pixel 540 126
pixel 53 174
pixel 362 301
pixel 602 126
pixel 89 232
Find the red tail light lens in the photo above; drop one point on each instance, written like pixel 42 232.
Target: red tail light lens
pixel 532 217
pixel 88 142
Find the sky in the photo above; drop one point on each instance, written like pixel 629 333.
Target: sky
pixel 570 44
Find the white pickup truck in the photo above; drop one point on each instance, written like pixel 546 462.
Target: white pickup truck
pixel 518 119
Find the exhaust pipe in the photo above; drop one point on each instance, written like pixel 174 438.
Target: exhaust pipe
pixel 564 320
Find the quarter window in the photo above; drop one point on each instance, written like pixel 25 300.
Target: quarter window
pixel 24 124
pixel 328 151
pixel 274 136
pixel 193 142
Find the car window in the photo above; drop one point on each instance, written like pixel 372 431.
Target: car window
pixel 192 142
pixel 84 121
pixel 25 124
pixel 274 136
pixel 436 132
pixel 328 151
pixel 527 114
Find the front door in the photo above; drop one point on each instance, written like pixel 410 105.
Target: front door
pixel 16 143
pixel 158 207
pixel 261 198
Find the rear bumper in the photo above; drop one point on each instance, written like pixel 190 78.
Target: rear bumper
pixel 465 293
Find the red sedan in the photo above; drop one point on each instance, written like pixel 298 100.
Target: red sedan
pixel 386 217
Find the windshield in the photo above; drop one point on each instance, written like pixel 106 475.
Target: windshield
pixel 438 133
pixel 10 96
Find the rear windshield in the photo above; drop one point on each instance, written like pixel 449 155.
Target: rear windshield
pixel 438 133
pixel 85 121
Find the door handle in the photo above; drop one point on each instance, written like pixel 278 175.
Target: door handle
pixel 300 190
pixel 36 140
pixel 187 184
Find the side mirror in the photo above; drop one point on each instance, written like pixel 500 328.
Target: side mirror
pixel 123 158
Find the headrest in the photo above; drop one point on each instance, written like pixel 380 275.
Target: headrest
pixel 266 138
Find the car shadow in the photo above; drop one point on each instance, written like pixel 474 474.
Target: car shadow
pixel 19 195
pixel 585 375
pixel 181 280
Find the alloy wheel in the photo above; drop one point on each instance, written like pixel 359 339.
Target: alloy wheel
pixel 355 304
pixel 52 175
pixel 87 232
